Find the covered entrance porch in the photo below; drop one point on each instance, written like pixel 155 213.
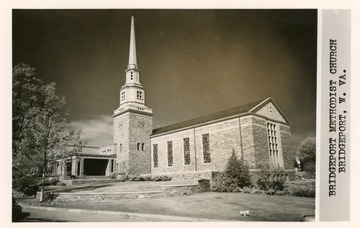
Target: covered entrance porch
pixel 84 165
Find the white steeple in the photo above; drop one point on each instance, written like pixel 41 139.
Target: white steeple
pixel 132 51
pixel 132 93
pixel 132 71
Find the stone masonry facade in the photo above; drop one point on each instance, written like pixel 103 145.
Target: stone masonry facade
pixel 286 145
pixel 132 142
pixel 247 136
pixel 260 142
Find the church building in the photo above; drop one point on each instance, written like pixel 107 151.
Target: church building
pixel 258 133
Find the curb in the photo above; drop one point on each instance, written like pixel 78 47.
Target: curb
pixel 166 218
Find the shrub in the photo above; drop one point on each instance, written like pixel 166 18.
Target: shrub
pixel 30 190
pixel 157 178
pixel 270 191
pixel 271 179
pixel 140 178
pixel 61 184
pixel 301 188
pixel 222 183
pixel 161 178
pixel 132 177
pixel 54 181
pixel 246 190
pixel 303 192
pixel 147 178
pixel 280 193
pixel 50 196
pixel 47 182
pixel 135 178
pixel 122 176
pixel 113 175
pixel 235 178
pixel 257 191
pixel 238 171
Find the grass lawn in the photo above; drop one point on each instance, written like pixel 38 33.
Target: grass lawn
pixel 211 205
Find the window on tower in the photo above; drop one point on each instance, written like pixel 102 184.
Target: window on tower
pixel 139 94
pixel 131 76
pixel 122 95
pixel 141 146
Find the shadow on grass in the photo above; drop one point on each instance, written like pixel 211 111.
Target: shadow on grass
pixel 24 217
pixel 19 216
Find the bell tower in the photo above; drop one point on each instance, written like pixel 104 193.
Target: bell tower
pixel 132 120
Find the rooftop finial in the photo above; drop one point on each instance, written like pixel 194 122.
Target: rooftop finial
pixel 132 52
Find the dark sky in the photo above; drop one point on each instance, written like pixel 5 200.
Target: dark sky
pixel 193 62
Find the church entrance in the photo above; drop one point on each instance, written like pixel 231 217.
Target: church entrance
pixel 95 167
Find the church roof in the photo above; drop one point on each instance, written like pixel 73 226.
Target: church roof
pixel 243 109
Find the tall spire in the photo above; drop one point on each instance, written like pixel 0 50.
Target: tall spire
pixel 132 51
pixel 132 93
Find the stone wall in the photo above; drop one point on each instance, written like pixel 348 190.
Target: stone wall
pixel 186 175
pixel 261 147
pixel 121 139
pixel 246 135
pixel 178 153
pixel 70 182
pixel 186 189
pixel 224 137
pixel 247 138
pixel 140 131
pixel 129 130
pixel 288 153
pixel 88 197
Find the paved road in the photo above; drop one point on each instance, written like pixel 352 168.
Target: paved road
pixel 40 215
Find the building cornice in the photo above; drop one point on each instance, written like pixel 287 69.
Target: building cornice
pixel 133 111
